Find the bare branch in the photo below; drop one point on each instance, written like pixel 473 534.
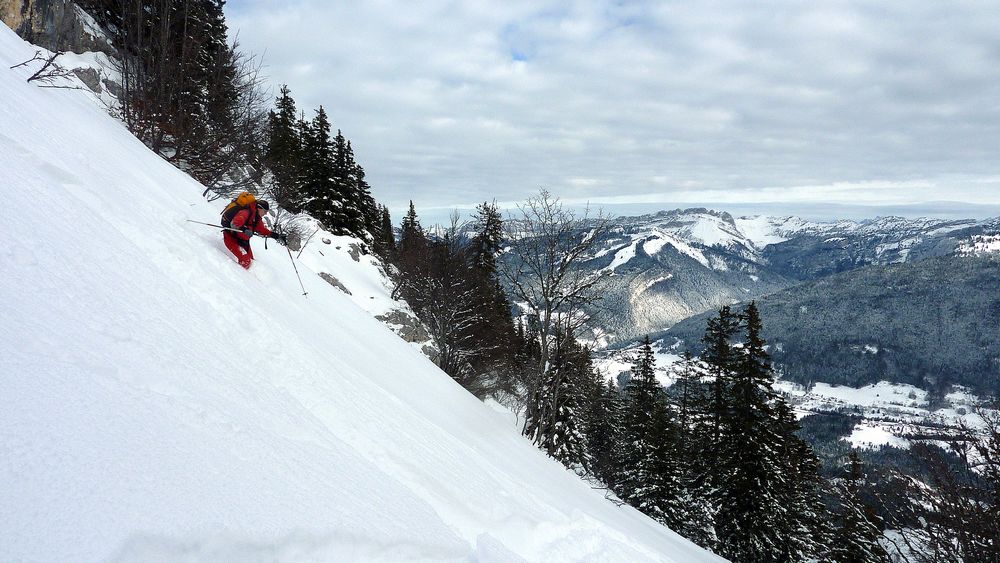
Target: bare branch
pixel 49 71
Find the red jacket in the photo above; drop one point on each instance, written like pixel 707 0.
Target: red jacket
pixel 249 217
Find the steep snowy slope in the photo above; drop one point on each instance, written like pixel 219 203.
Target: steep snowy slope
pixel 157 402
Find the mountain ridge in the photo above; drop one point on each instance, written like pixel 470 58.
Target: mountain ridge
pixel 666 266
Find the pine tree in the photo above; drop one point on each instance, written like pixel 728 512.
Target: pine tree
pixel 856 538
pixel 384 244
pixel 604 434
pixel 750 477
pixel 284 152
pixel 562 422
pixel 642 393
pixel 318 183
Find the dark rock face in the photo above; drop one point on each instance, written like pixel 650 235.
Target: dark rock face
pixel 90 77
pixel 408 327
pixel 56 25
pixel 330 279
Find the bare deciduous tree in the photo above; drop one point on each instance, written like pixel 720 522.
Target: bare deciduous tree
pixel 958 509
pixel 548 244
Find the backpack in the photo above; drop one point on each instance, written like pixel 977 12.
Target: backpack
pixel 238 204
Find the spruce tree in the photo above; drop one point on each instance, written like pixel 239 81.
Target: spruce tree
pixel 318 182
pixel 351 202
pixel 370 210
pixel 412 262
pixel 689 396
pixel 664 494
pixel 696 511
pixel 384 244
pixel 604 434
pixel 561 426
pixel 856 539
pixel 497 323
pixel 804 527
pixel 750 479
pixel 642 393
pixel 720 359
pixel 284 152
pixel 487 240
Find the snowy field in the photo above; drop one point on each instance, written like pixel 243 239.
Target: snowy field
pixel 980 244
pixel 159 403
pixel 891 412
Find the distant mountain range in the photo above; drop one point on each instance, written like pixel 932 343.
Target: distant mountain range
pixel 669 266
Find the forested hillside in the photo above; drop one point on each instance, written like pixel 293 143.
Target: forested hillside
pixel 931 323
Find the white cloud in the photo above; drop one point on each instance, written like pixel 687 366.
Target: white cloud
pixel 450 102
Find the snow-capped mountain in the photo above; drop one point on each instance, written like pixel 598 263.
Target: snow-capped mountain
pixel 671 265
pixel 159 403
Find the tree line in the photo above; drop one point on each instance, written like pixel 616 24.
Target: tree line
pixel 186 91
pixel 198 101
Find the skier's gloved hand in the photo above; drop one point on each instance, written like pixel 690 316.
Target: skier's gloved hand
pixel 247 231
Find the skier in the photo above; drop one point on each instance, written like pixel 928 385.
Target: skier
pixel 249 220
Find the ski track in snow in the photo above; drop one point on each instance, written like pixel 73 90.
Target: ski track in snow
pixel 158 402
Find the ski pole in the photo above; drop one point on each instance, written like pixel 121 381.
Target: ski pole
pixel 299 255
pixel 217 226
pixel 304 292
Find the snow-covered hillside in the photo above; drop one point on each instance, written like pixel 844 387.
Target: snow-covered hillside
pixel 158 402
pixel 980 244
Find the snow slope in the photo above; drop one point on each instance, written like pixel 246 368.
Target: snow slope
pixel 157 402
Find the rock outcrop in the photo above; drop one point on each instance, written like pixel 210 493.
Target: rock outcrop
pixel 57 25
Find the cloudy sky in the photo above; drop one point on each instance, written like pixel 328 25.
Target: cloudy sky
pixel 657 104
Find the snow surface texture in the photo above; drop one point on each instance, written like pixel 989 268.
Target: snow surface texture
pixel 159 403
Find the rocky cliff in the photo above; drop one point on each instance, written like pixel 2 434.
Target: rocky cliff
pixel 57 25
